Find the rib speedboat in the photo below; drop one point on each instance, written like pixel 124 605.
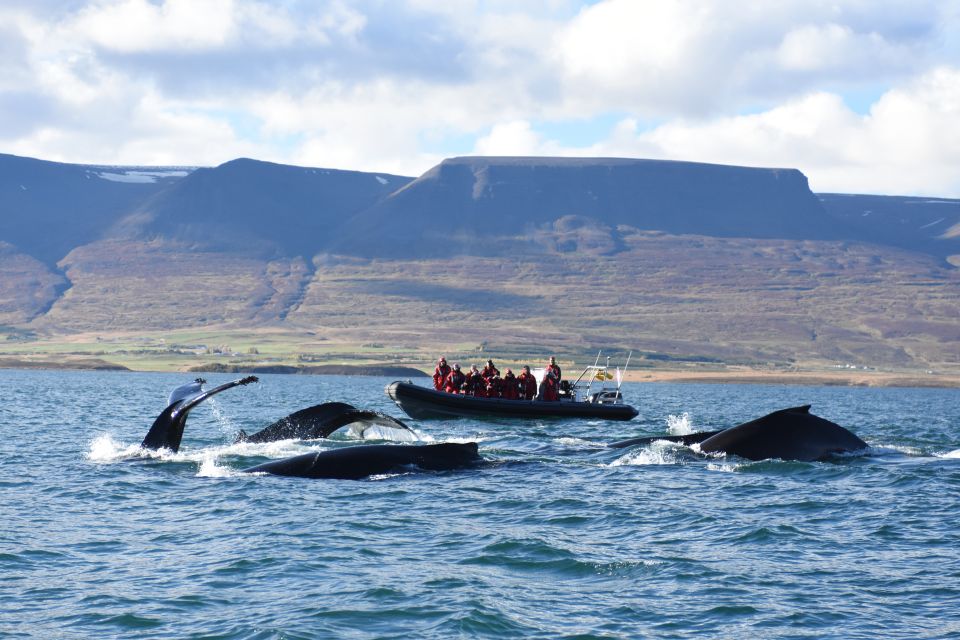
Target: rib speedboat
pixel 594 394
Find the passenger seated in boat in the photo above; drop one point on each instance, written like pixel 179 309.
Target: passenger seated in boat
pixel 454 381
pixel 494 386
pixel 509 387
pixel 474 384
pixel 527 384
pixel 548 388
pixel 489 371
pixel 555 368
pixel 440 373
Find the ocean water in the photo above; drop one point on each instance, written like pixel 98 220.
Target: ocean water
pixel 554 537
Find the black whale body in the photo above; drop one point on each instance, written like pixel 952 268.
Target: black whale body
pixel 788 434
pixel 354 463
pixel 319 421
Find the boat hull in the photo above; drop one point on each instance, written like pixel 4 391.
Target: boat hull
pixel 421 403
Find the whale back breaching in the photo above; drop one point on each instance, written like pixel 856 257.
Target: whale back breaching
pixel 788 434
pixel 319 421
pixel 356 462
pixel 167 429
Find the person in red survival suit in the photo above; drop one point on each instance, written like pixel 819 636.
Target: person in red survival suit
pixel 509 387
pixel 475 386
pixel 494 386
pixel 440 373
pixel 489 371
pixel 548 388
pixel 527 384
pixel 555 368
pixel 454 381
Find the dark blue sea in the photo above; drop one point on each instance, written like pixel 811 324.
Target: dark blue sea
pixel 556 537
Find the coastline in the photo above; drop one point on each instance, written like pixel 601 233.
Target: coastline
pixel 731 375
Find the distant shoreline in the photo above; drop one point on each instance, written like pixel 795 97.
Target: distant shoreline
pixel 801 378
pixel 839 378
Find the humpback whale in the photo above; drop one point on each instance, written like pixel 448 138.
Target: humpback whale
pixel 788 434
pixel 353 463
pixel 167 429
pixel 319 421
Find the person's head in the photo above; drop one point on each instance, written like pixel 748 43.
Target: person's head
pixel 456 366
pixel 490 363
pixel 474 368
pixel 553 360
pixel 509 373
pixel 442 360
pixel 526 368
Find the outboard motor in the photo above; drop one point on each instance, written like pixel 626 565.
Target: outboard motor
pixel 606 397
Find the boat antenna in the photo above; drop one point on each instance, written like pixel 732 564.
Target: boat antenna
pixel 597 361
pixel 624 374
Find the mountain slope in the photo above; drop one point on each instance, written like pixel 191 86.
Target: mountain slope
pixel 48 208
pixel 928 225
pixel 248 205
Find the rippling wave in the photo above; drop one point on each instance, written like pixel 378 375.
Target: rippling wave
pixel 555 536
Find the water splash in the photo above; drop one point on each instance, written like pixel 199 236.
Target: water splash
pixel 104 448
pixel 210 469
pixel 955 454
pixel 679 425
pixel 657 453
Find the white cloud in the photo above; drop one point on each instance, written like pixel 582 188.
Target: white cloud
pixel 138 25
pixel 363 84
pixel 909 142
pixel 510 139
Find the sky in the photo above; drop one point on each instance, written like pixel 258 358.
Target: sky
pixel 863 96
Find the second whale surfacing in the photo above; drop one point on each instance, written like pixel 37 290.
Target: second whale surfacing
pixel 788 434
pixel 319 421
pixel 361 461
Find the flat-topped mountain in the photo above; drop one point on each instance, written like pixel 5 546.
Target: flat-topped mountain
pixel 490 205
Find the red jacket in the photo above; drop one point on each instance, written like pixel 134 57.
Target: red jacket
pixel 488 372
pixel 475 385
pixel 548 389
pixel 440 376
pixel 528 386
pixel 509 387
pixel 454 382
pixel 555 369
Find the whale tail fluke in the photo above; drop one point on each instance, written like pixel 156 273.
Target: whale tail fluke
pixel 167 430
pixel 319 421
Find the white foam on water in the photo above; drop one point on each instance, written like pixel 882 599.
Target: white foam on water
pixel 656 453
pixel 210 469
pixel 880 450
pixel 579 442
pixel 726 467
pixel 955 454
pixel 679 425
pixel 104 448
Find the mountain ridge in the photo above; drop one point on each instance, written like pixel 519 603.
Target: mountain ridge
pixel 668 257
